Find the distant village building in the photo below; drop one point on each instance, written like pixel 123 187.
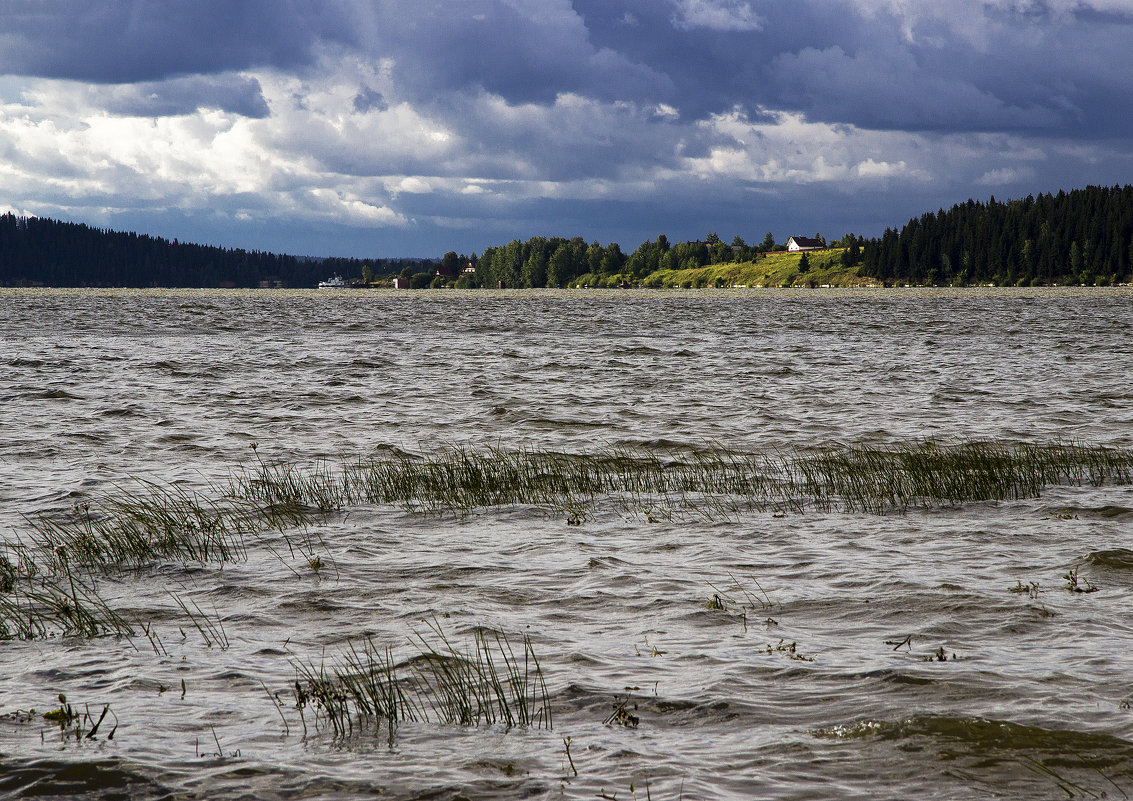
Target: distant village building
pixel 798 243
pixel 400 283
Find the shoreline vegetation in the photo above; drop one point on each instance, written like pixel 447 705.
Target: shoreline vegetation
pixel 1080 238
pixel 49 576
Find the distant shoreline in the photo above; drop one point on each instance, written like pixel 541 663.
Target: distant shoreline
pixel 574 293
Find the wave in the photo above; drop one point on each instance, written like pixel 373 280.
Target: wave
pixel 986 735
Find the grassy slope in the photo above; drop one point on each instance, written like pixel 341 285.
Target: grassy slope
pixel 773 270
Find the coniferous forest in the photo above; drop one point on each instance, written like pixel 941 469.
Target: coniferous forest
pixel 1080 237
pixel 40 251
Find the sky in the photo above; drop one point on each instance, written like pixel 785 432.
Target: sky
pixel 414 127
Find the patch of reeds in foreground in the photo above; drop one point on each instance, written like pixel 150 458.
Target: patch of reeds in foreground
pixel 49 584
pixel 36 606
pixel 154 522
pixel 718 482
pixel 486 683
pixel 146 522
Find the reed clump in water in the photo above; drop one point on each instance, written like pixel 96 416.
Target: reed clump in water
pixel 162 522
pixel 138 526
pixel 873 479
pixel 460 480
pixel 153 522
pixel 49 586
pixel 35 604
pixel 717 482
pixel 486 683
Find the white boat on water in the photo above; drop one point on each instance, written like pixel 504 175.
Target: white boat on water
pixel 335 282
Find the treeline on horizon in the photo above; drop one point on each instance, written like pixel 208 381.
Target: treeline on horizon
pixel 554 261
pixel 45 252
pixel 1080 237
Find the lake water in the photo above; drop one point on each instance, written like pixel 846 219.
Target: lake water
pixel 1032 698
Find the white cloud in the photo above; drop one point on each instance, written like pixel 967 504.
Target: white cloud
pixel 410 184
pixel 1000 176
pixel 66 153
pixel 785 148
pixel 353 211
pixel 880 169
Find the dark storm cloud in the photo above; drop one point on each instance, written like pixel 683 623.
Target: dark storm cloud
pixel 526 51
pixel 1045 74
pixel 233 93
pixel 127 41
pixel 969 66
pixel 828 85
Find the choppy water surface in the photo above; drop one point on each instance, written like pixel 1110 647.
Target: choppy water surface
pixel 1032 699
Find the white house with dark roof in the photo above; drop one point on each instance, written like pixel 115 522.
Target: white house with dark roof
pixel 798 243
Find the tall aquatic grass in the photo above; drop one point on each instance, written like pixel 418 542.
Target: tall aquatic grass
pixel 149 522
pixel 35 604
pixel 717 482
pixel 486 683
pixel 155 522
pixel 878 479
pixel 49 586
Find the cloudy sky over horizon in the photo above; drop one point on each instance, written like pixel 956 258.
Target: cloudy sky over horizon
pixel 412 127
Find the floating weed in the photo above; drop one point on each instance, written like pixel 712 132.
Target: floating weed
pixel 939 655
pixel 633 793
pixel 1074 585
pixel 218 753
pixel 622 716
pixel 791 649
pixel 1031 590
pixel 899 644
pixel 650 648
pixel 80 725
